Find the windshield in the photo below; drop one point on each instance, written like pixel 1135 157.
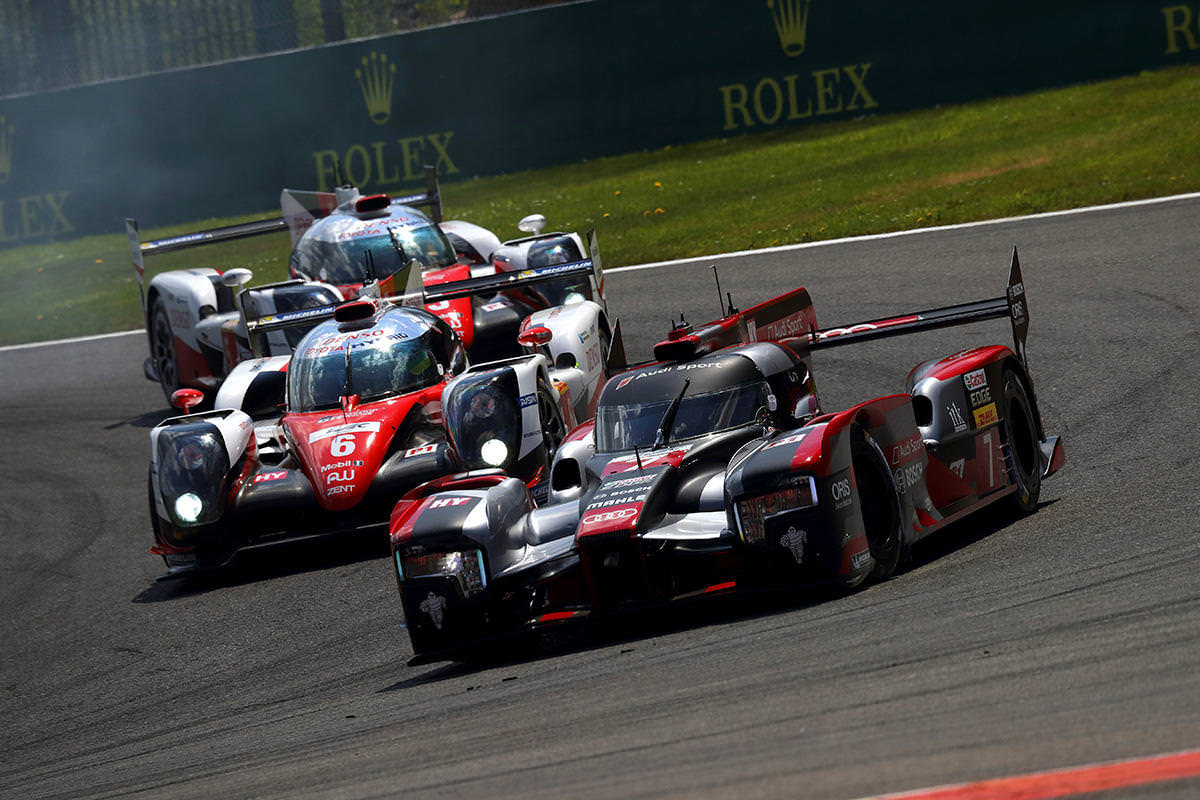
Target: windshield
pixel 341 262
pixel 621 427
pixel 372 364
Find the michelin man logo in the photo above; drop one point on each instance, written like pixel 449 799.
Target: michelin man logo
pixel 794 541
pixel 435 606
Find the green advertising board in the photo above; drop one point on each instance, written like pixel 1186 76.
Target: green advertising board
pixel 549 86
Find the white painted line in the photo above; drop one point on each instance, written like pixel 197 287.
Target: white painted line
pixel 76 340
pixel 780 249
pixel 783 248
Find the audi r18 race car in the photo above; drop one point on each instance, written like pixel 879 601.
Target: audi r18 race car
pixel 197 325
pixel 377 399
pixel 717 469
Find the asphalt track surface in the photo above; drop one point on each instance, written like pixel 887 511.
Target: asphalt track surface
pixel 1068 637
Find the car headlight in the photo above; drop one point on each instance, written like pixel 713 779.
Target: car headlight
pixel 483 419
pixel 754 512
pixel 192 470
pixel 188 507
pixel 494 452
pixel 467 568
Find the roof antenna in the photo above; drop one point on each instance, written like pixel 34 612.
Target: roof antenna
pixel 637 455
pixel 730 310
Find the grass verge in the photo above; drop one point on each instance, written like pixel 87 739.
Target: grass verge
pixel 1124 139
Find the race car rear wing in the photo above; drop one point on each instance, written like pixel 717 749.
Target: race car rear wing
pixel 789 319
pixel 258 328
pixel 1012 305
pixel 490 284
pixel 299 210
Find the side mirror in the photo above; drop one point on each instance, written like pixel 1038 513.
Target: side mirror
pixel 534 223
pixel 186 399
pixel 233 278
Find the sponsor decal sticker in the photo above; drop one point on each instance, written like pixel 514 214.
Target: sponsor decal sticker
pixel 985 416
pixel 908 475
pixel 339 489
pixel 343 464
pixel 597 517
pixel 449 502
pixel 435 606
pixel 791 438
pixel 860 559
pixel 794 540
pixel 496 306
pixel 958 466
pixel 975 379
pixel 269 476
pixel 420 451
pixel 673 368
pixel 841 493
pixel 527 400
pixel 337 430
pixel 341 476
pixel 956 417
pixel 906 449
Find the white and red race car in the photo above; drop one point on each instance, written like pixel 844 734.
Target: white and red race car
pixel 200 326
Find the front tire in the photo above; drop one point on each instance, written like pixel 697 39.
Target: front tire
pixel 1024 455
pixel 879 502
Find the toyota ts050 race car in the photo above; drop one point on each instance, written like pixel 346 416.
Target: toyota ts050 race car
pixel 717 469
pixel 196 322
pixel 374 401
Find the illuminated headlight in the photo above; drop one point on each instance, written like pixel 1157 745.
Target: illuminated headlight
pixel 494 452
pixel 753 512
pixel 467 567
pixel 188 507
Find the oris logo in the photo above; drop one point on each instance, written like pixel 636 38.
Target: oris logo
pixel 840 489
pixel 609 516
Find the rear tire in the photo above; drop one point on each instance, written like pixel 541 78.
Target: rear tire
pixel 1024 456
pixel 162 349
pixel 879 502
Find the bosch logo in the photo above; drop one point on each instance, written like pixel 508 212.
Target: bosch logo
pixel 609 516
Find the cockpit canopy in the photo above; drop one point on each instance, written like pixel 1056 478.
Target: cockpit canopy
pixel 402 350
pixel 722 393
pixel 334 249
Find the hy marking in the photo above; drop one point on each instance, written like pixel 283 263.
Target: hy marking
pixel 780 249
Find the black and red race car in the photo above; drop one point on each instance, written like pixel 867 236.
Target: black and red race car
pixel 717 469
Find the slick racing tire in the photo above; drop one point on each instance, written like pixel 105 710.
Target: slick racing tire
pixel 162 349
pixel 1024 456
pixel 879 501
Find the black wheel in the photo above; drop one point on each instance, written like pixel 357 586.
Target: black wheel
pixel 879 502
pixel 1024 456
pixel 554 429
pixel 162 349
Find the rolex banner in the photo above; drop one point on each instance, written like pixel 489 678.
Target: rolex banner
pixel 542 87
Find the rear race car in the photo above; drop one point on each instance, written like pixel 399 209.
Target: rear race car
pixel 344 243
pixel 374 401
pixel 717 469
